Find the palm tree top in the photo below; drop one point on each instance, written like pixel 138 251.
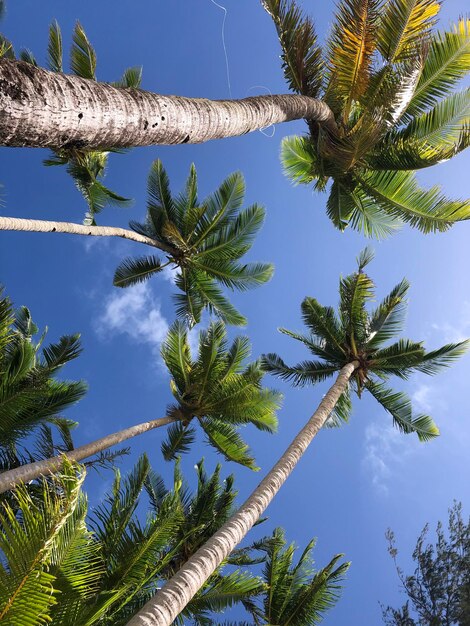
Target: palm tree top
pixel 204 241
pixel 355 335
pixel 30 393
pixel 217 389
pixel 388 78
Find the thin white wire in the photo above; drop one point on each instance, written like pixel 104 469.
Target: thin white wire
pixel 263 130
pixel 227 68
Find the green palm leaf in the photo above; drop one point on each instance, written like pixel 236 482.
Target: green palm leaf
pixel 447 62
pixel 399 406
pixel 134 271
pixel 228 442
pixel 54 48
pixel 179 439
pixel 403 26
pixel 399 195
pixel 301 56
pixel 82 54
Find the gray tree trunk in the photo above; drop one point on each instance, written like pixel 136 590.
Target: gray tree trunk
pixel 44 226
pixel 41 109
pixel 31 471
pixel 170 600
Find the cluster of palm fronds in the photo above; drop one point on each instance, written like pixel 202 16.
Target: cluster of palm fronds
pixel 354 334
pixel 388 78
pixel 75 568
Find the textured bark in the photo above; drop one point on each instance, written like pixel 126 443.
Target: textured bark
pixel 31 471
pixel 44 226
pixel 167 603
pixel 49 109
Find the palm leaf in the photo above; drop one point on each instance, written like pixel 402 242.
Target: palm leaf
pixel 82 54
pixel 350 50
pixel 131 78
pixel 388 318
pixel 432 362
pixel 228 442
pixel 323 322
pixel 54 48
pixel 403 26
pixel 448 61
pixel 179 439
pixel 133 271
pixel 399 195
pixel 301 57
pixel 305 373
pixel 399 406
pixel 215 301
pixel 300 161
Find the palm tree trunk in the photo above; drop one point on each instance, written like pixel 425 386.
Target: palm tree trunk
pixel 44 226
pixel 31 471
pixel 41 109
pixel 170 600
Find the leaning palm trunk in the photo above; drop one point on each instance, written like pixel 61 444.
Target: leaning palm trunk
pixel 31 471
pixel 164 607
pixel 48 109
pixel 45 226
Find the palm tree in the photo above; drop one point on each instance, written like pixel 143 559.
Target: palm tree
pixel 31 397
pixel 351 345
pixel 216 390
pixel 295 593
pixel 203 241
pixel 59 567
pixel 388 79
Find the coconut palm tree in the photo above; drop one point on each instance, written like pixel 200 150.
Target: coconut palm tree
pixel 216 390
pixel 203 242
pixel 58 566
pixel 388 79
pixel 350 345
pixel 31 397
pixel 295 593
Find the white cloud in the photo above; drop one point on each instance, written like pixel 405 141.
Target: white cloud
pixel 385 450
pixel 421 398
pixel 450 333
pixel 136 313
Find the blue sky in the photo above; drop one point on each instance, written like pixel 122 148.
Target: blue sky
pixel 353 483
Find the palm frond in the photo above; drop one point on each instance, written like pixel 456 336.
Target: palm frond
pixel 447 62
pixel 82 54
pixel 301 57
pixel 300 162
pixel 179 438
pixel 228 442
pixel 54 48
pixel 350 51
pixel 133 271
pixel 399 406
pixel 399 195
pixel 323 322
pixel 388 318
pixel 131 78
pixel 57 354
pixel 432 362
pixel 403 26
pixel 305 373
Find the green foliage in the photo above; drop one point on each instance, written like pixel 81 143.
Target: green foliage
pixel 438 591
pixel 361 336
pixel 217 389
pixel 388 81
pixel 204 242
pixel 57 566
pixel 30 394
